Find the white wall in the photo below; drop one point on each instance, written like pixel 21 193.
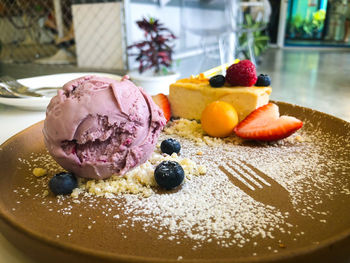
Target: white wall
pixel 171 17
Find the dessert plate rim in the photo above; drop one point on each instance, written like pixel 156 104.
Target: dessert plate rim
pixel 71 248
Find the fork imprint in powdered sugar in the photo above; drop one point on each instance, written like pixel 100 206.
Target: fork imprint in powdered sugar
pixel 257 184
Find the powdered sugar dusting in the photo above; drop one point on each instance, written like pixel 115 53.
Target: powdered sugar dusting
pixel 211 209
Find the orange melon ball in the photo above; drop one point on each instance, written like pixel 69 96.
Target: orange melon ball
pixel 219 118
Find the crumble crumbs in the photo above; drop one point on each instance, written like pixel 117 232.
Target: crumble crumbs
pixel 192 130
pixel 139 180
pixel 209 208
pixel 38 172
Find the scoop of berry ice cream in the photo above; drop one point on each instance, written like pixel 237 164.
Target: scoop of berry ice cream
pixel 98 127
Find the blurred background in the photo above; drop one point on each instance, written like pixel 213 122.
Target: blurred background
pixel 52 36
pixel 303 45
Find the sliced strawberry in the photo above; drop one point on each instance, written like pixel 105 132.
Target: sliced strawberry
pixel 162 101
pixel 265 124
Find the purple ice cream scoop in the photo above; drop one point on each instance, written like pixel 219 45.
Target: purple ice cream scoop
pixel 97 127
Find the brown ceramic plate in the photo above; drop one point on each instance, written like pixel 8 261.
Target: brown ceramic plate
pixel 89 231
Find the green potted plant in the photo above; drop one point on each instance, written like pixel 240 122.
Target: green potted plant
pixel 307 28
pixel 260 39
pixel 295 27
pixel 154 56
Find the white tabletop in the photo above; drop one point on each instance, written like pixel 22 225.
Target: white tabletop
pixel 14 120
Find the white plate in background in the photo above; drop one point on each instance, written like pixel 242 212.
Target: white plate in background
pixel 55 80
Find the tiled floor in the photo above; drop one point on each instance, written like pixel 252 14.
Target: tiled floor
pixel 318 79
pixel 311 78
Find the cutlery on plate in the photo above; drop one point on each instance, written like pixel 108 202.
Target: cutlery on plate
pixel 6 94
pixel 9 85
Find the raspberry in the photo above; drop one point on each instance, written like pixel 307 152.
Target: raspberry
pixel 241 74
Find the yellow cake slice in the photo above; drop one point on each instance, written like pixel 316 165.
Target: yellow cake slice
pixel 188 97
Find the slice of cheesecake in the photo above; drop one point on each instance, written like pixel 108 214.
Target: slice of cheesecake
pixel 189 97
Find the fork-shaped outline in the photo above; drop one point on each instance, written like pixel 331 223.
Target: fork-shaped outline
pixel 257 184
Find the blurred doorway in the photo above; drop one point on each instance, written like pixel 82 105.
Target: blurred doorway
pixel 316 23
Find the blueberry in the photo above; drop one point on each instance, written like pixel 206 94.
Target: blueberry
pixel 170 146
pixel 217 81
pixel 63 183
pixel 169 174
pixel 263 81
